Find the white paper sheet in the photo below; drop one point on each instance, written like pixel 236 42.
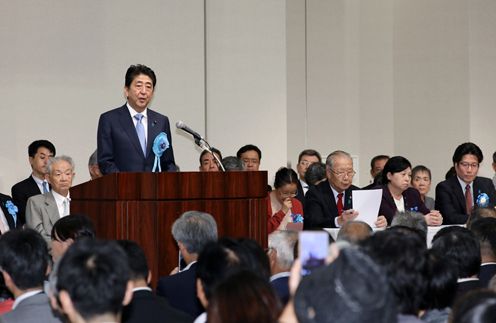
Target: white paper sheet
pixel 367 203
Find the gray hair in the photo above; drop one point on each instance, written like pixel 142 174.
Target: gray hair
pixel 53 160
pixel 194 229
pixel 354 232
pixel 93 159
pixel 333 155
pixel 283 242
pixel 410 219
pixel 232 163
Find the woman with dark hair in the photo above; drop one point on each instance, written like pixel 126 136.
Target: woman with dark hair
pixel 243 297
pixel 67 230
pixel 421 180
pixel 282 206
pixel 398 196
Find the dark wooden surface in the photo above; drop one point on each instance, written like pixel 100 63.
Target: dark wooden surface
pixel 143 206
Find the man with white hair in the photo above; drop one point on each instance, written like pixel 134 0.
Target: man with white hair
pixel 281 257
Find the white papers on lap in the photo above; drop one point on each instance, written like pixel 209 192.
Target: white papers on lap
pixel 367 203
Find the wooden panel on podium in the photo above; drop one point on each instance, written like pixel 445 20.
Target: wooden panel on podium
pixel 143 206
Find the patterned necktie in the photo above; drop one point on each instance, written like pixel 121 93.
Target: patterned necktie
pixel 140 130
pixel 339 204
pixel 45 187
pixel 468 199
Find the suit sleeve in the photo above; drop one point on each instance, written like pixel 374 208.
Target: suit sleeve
pixel 20 200
pixel 314 209
pixel 105 146
pixel 446 204
pixel 34 219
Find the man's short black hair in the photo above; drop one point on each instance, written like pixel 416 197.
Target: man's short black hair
pixel 134 70
pixel 246 148
pixel 466 149
pixel 310 152
pixel 485 230
pixel 24 256
pixel 494 157
pixel 136 259
pixel 376 158
pixel 460 245
pixel 74 226
pixel 37 144
pixel 442 277
pixel 95 274
pixel 214 150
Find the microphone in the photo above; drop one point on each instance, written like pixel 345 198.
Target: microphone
pixel 181 125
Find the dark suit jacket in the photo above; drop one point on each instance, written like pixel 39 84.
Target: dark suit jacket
pixel 21 192
pixel 411 198
pixel 320 206
pixel 450 198
pixel 281 287
pixel 465 287
pixel 299 193
pixel 180 291
pixel 10 219
pixel 119 149
pixel 486 272
pixel 147 307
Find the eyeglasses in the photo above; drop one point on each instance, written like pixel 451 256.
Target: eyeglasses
pixel 468 165
pixel 349 173
pixel 287 194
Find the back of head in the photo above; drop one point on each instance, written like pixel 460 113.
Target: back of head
pixel 283 243
pixel 250 254
pixel 93 160
pixel 411 219
pixel 354 231
pixel 95 275
pixel 475 307
pixel 479 213
pixel 442 277
pixel 244 297
pixel 460 245
pixel 194 229
pixel 24 256
pixel 232 163
pixel 76 226
pixel 467 148
pixel 315 173
pixel 136 259
pixel 351 289
pixel 401 252
pixel 485 230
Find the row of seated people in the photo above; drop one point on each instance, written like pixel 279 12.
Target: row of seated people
pixel 383 276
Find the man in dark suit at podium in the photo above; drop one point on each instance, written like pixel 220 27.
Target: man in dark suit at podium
pixel 126 134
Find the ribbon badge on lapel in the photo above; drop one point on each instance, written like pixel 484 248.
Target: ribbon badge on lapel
pixel 12 209
pixel 160 144
pixel 482 200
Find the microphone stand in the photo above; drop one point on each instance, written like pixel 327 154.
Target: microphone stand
pixel 203 144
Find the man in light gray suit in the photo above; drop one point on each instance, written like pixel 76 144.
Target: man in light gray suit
pixel 24 262
pixel 42 211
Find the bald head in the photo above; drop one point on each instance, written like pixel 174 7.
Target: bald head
pixel 354 232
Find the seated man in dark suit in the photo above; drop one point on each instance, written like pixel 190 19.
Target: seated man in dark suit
pixel 192 231
pixel 126 134
pixel 458 195
pixel 305 159
pixel 145 306
pixel 24 263
pixel 9 216
pixel 485 230
pixel 376 166
pixel 329 204
pixel 39 152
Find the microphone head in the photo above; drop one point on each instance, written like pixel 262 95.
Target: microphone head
pixel 180 124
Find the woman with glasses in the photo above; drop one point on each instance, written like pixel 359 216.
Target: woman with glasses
pixel 284 211
pixel 398 196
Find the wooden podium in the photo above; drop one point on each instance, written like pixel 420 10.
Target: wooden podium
pixel 143 206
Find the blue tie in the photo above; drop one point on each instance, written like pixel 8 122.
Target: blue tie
pixel 45 187
pixel 140 130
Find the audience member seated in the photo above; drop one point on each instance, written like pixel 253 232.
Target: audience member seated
pixel 67 230
pixel 93 167
pixel 479 213
pixel 476 307
pixel 145 306
pixel 441 288
pixel 329 204
pixel 91 282
pixel 243 297
pixel 284 211
pixel 421 180
pixel 208 163
pixel 251 157
pixel 458 195
pixel 402 255
pixel 376 166
pixel 485 230
pixel 192 231
pixel 306 158
pixel 281 257
pixel 44 210
pixel 351 289
pixel 315 174
pixel 232 163
pixel 24 263
pixel 462 247
pixel 39 152
pixel 354 232
pixel 398 196
pixel 9 214
pixel 411 219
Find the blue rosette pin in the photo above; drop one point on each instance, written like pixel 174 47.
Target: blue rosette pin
pixel 12 209
pixel 297 218
pixel 160 144
pixel 482 200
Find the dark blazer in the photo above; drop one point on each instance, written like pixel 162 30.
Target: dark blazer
pixel 411 198
pixel 320 206
pixel 450 198
pixel 180 291
pixel 465 287
pixel 299 193
pixel 21 192
pixel 10 219
pixel 281 287
pixel 486 272
pixel 119 149
pixel 147 307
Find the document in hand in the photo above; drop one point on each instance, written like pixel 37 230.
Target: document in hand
pixel 367 203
